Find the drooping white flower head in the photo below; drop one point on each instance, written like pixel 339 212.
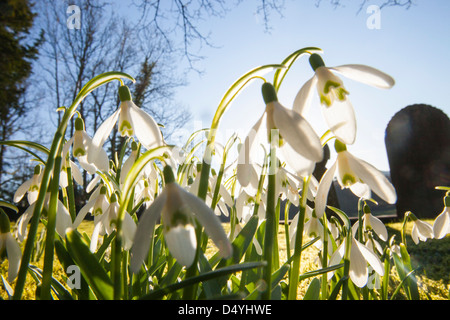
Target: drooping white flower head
pixel 441 225
pixel 30 187
pixel 132 121
pixel 360 257
pixel 177 208
pixel 421 230
pixel 357 175
pixel 370 222
pixel 335 105
pixel 299 145
pixel 12 247
pixel 82 147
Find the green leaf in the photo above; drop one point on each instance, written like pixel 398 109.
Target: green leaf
pixel 157 294
pixel 91 269
pixel 60 291
pixel 313 292
pixel 343 217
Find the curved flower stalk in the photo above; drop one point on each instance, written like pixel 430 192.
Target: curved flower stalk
pixel 177 209
pixel 12 247
pixel 357 175
pixel 299 145
pixel 132 120
pixel 336 107
pixel 441 225
pixel 360 255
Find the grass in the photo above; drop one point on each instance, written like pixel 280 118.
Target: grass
pixel 432 256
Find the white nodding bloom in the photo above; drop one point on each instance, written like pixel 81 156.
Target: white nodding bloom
pixel 299 145
pixel 441 225
pixel 335 105
pixel 370 222
pixel 421 230
pixel 357 175
pixel 360 256
pixel 30 187
pixel 177 209
pixel 12 247
pixel 132 121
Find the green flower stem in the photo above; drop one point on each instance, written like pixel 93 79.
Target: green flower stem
pixel 51 229
pixel 270 224
pixel 71 194
pixel 295 271
pixel 324 291
pixel 346 264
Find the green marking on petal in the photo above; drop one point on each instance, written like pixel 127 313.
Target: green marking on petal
pixel 330 85
pixel 125 128
pixel 325 100
pixel 79 152
pixel 348 180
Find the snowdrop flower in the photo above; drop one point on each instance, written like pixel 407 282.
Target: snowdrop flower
pixel 421 230
pixel 336 107
pixel 371 222
pixel 97 205
pixel 356 174
pixel 177 209
pixel 63 219
pixel 9 243
pixel 82 146
pixel 132 121
pixel 30 187
pixel 360 256
pixel 441 226
pixel 106 224
pixel 299 144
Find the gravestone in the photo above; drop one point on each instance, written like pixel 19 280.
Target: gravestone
pixel 418 148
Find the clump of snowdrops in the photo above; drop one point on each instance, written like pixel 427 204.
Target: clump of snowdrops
pixel 155 206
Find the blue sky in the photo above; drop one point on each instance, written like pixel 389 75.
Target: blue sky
pixel 411 45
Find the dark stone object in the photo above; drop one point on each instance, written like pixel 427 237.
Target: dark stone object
pixel 418 148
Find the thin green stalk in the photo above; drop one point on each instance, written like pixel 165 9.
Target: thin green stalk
pixel 346 265
pixel 51 229
pixel 295 271
pixel 324 290
pixel 270 224
pixel 71 194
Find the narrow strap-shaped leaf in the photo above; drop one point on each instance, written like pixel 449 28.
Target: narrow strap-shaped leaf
pixel 157 294
pixel 313 291
pixel 91 269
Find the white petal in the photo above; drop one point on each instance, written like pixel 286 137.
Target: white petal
pixel 323 189
pixel 358 266
pixel 209 221
pixel 147 221
pixel 23 188
pixel 441 225
pixel 83 211
pixel 303 98
pixel 341 120
pixel 361 190
pixel 63 219
pixel 375 179
pixel 371 258
pixel 296 131
pixel 129 230
pixel 105 129
pixel 76 173
pixel 379 227
pixel 92 184
pixel 14 255
pixel 366 75
pixel 145 128
pixel 296 162
pixel 425 230
pixel 244 166
pixel 182 243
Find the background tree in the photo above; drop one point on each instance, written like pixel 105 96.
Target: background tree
pixel 17 52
